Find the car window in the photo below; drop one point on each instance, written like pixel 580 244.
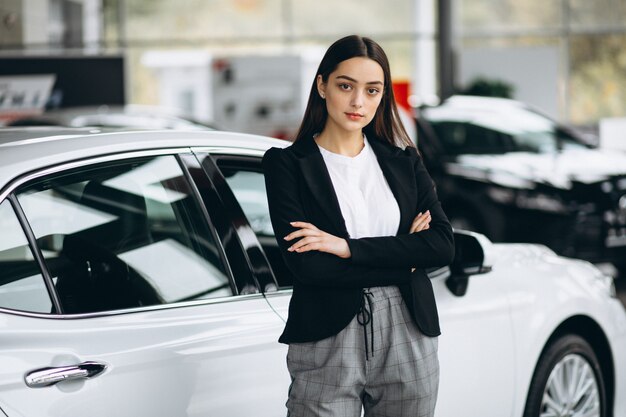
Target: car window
pixel 249 189
pixel 466 138
pixel 22 286
pixel 124 235
pixel 248 185
pixel 497 129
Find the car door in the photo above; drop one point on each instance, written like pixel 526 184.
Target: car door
pixel 476 347
pixel 117 282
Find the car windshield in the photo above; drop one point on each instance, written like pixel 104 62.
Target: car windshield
pixel 498 129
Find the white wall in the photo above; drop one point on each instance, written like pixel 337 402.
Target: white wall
pixel 533 71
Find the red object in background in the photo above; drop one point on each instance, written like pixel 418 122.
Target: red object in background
pixel 401 93
pixel 281 134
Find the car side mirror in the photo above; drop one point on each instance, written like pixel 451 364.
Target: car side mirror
pixel 474 254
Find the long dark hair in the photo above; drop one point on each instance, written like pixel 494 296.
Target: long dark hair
pixel 386 124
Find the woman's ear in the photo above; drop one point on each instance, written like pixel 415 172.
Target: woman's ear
pixel 321 86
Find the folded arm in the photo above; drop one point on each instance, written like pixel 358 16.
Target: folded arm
pixel 429 248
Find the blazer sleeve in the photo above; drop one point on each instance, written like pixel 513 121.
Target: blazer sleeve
pixel 429 248
pixel 313 267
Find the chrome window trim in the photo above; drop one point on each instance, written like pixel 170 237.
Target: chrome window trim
pixel 16 182
pixel 157 307
pixel 286 291
pixel 228 151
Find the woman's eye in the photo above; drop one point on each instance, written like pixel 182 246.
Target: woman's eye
pixel 373 91
pixel 345 86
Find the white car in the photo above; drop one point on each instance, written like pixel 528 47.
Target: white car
pixel 139 276
pixel 128 116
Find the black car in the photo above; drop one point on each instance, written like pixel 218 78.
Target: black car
pixel 512 173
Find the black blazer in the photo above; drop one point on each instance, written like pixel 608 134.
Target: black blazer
pixel 327 289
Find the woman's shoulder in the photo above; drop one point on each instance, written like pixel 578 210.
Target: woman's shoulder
pixel 278 152
pixel 411 151
pixel 278 156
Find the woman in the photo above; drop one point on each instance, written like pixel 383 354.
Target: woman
pixel 357 220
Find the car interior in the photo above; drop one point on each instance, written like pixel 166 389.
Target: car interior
pixel 96 278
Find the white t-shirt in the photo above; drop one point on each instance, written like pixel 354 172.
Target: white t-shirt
pixel 367 204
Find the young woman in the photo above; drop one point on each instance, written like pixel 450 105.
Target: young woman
pixel 357 220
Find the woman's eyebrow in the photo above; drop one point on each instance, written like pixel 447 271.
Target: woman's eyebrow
pixel 345 77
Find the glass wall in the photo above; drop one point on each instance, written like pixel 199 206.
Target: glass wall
pixel 589 37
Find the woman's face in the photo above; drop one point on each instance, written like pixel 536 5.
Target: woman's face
pixel 352 93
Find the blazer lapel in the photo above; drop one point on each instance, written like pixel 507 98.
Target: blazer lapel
pixel 396 166
pixel 398 170
pixel 319 182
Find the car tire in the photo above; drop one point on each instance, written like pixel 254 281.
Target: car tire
pixel 549 392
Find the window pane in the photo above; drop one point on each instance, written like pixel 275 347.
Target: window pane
pixel 21 284
pixel 375 17
pixel 249 189
pixel 123 236
pixel 248 186
pixel 198 19
pixel 597 14
pixel 508 15
pixel 597 77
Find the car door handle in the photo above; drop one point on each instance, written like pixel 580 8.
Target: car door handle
pixel 45 377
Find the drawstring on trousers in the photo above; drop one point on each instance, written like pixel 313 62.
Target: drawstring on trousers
pixel 364 317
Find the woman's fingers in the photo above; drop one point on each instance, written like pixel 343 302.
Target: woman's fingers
pixel 302 232
pixel 305 229
pixel 313 238
pixel 304 224
pixel 421 222
pixel 308 247
pixel 303 242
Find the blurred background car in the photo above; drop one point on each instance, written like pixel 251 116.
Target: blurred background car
pixel 123 116
pixel 514 174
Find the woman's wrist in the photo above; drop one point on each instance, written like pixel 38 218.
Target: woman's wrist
pixel 345 250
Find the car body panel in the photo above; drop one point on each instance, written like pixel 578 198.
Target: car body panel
pixel 161 362
pixel 469 355
pixel 544 291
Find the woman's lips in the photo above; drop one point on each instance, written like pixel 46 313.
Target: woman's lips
pixel 354 116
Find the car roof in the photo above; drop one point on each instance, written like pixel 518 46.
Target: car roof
pixel 27 149
pixel 480 101
pixel 129 115
pixel 500 114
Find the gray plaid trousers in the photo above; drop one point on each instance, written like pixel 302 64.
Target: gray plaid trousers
pixel 341 376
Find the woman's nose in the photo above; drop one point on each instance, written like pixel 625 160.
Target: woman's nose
pixel 357 100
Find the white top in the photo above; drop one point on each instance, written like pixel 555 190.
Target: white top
pixel 367 204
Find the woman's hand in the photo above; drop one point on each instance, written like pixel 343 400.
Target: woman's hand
pixel 316 239
pixel 420 222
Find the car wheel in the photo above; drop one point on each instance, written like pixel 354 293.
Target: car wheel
pixel 567 382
